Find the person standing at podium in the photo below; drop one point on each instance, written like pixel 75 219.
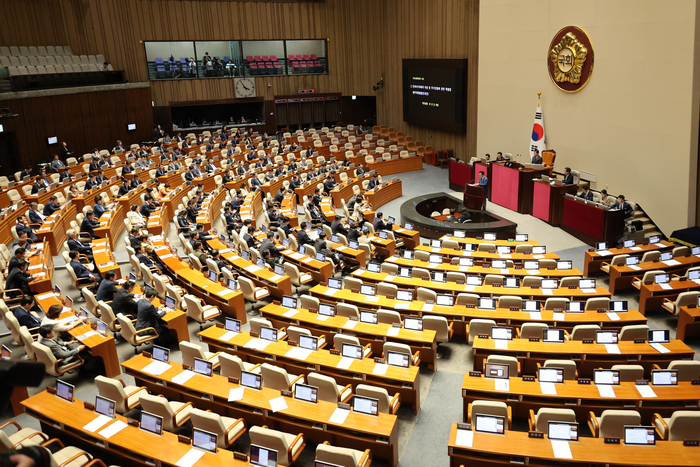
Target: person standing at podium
pixel 537 159
pixel 484 183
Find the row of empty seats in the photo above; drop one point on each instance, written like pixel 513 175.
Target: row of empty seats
pixel 42 70
pixel 41 50
pixel 7 61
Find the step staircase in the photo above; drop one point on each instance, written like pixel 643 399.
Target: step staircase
pixel 648 229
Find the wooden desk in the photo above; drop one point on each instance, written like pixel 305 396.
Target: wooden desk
pixel 54 228
pixel 587 356
pixel 359 431
pixel 113 227
pixel 621 277
pixel 524 396
pixel 345 190
pixel 652 296
pixel 461 315
pixel 252 206
pixel 104 258
pixel 517 258
pixel 591 223
pixel 320 271
pixel 67 420
pixel 593 259
pixel 688 323
pixel 41 264
pixel 515 447
pixel 411 238
pixel 511 187
pixel 88 199
pixel 159 221
pixel 548 201
pixel 375 334
pixel 174 199
pixel 261 277
pixel 497 242
pixel 402 380
pixel 211 209
pixel 395 166
pixel 389 192
pixel 103 347
pixel 483 290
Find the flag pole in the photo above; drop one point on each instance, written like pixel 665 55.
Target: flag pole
pixel 539 95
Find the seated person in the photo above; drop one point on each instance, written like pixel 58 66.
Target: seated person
pixel 81 271
pixel 74 244
pixel 66 351
pixel 52 318
pixel 35 217
pixel 148 316
pixel 606 199
pixel 337 225
pixel 25 316
pixel 89 223
pixel 19 279
pixel 23 226
pixel 99 208
pixel 107 289
pixel 586 193
pixel 624 205
pixel 145 259
pixel 135 217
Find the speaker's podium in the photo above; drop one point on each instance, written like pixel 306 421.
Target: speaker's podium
pixel 473 197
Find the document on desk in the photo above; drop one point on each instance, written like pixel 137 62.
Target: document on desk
pixel 588 290
pixel 634 267
pixel 604 253
pixel 547 292
pixel 44 296
pixel 501 384
pixel 86 335
pixel 464 438
pixel 392 331
pixel 156 368
pixel 559 316
pixel 612 348
pixel 278 404
pixel 257 344
pixel 561 449
pixel 298 353
pixel 389 278
pixel 183 377
pixel 330 292
pixel 500 344
pixel 275 278
pixel 350 324
pixel 538 256
pixel 189 459
pixel 252 268
pixel 613 316
pixel 606 390
pixel 436 250
pixel 392 259
pixel 229 335
pixel 532 272
pixel 225 293
pixel 466 253
pixel 235 394
pixel 169 255
pixel 339 416
pixel 548 389
pixel 671 262
pixel 536 315
pixel 666 286
pixel 36 266
pixel 307 260
pixel 296 256
pixel 320 317
pixel 112 429
pixel 401 306
pixel 428 307
pixel 371 299
pixel 344 363
pixel 464 269
pixel 645 390
pixel 660 348
pixel 291 312
pixel 432 265
pixel 505 255
pixel 97 423
pixel 469 288
pixel 636 248
pixel 380 369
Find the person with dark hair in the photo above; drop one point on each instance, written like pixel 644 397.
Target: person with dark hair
pixel 452 217
pixel 148 316
pixel 586 193
pixel 27 172
pixel 606 199
pixel 302 237
pixel 536 159
pixel 124 187
pixel 80 270
pixel 16 259
pixel 52 318
pixel 267 259
pixel 35 217
pixel 568 176
pixel 25 316
pixel 74 244
pixel 268 244
pixel 374 182
pixel 484 183
pixel 123 301
pixel 26 456
pixel 199 252
pixel 66 351
pixel 191 211
pixel 89 223
pixel 216 257
pixel 145 259
pixel 379 224
pixel 19 278
pixel 337 226
pixel 99 208
pixel 107 289
pixel 322 247
pixel 623 205
pixel 57 163
pixel 23 226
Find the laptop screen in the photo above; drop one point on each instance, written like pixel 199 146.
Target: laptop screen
pixel 366 405
pixel 521 237
pixel 202 367
pixel 631 260
pixel 246 255
pixel 662 278
pixel 619 306
pixel 503 250
pixel 64 390
pixel 460 234
pixel 498 332
pixel 263 456
pixel 550 284
pixel 412 323
pixel 161 354
pixel 659 336
pixel 664 377
pixel 326 310
pixel 640 435
pixel 606 376
pixel 489 236
pixel 231 285
pixel 511 282
pixel 383 234
pixel 469 247
pixel 586 284
pixel 408 226
pixel 550 375
pixel 435 243
pixel 445 300
pixel 539 250
pixel 574 307
pixel 552 335
pixel 374 267
pixel 439 276
pixel 306 393
pixel 666 256
pixel 433 258
pixel 404 295
pixel 334 283
pixel 531 305
pixel 606 337
pixel 499 264
pixel 367 289
pixel 213 276
pixel 600 246
pixel 6 353
pixel 232 324
pixel 308 342
pixel 289 302
pixel 101 328
pixel 563 431
pixel 369 317
pixel 204 440
pixel 564 265
pixel 531 264
pixel 251 380
pixel 320 257
pixel 170 302
pixel 487 303
pixel 279 269
pixel 397 359
pixel 408 254
pixel 654 239
pixel 490 423
pixel 269 334
pixel 352 351
pixel 629 243
pixel 354 245
pixel 104 406
pixel 404 272
pixel 694 275
pixel 151 423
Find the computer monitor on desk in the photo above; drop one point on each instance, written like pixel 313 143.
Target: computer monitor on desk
pixel 495 424
pixel 496 371
pixel 262 456
pixel 550 375
pixel 606 377
pixel 564 431
pixel 151 423
pixel 640 435
pixel 204 440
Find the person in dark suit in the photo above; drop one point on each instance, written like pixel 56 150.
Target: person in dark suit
pixel 89 223
pixel 65 152
pixel 135 182
pixel 379 224
pixel 302 237
pixel 123 301
pixel 94 164
pixel 74 244
pixel 65 175
pixel 483 182
pixel 255 183
pixel 209 167
pixel 107 289
pixel 315 213
pixel 374 182
pixel 51 207
pixel 80 270
pixel 124 187
pixel 536 159
pixel 119 146
pixel 190 175
pixel 148 316
pixel 19 278
pixel 145 259
pixel 337 225
pixel 360 171
pixel 24 315
pixel 40 182
pixel 22 226
pixel 329 183
pixel 147 208
pixel 586 193
pixel 127 168
pixel 623 205
pixel 27 172
pixel 18 258
pixel 279 196
pixel 35 217
pixel 161 171
pixel 568 177
pixel 92 182
pixel 354 233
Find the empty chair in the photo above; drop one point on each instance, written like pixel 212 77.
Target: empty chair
pixel 200 313
pixel 683 299
pixel 348 310
pixel 419 273
pixel 510 301
pixel 480 326
pixel 191 351
pixel 648 276
pixel 632 332
pixel 612 423
pixel 688 370
pixel 683 424
pixel 328 389
pixel 132 336
pixel 491 279
pixel 232 366
pixel 597 303
pixel 512 362
pixel 288 447
pixel 307 302
pixel 425 295
pixel 584 331
pixel 540 421
pixel 464 299
pixel 340 339
pixel 486 247
pixel 650 256
pixel 617 260
pixel 26 436
pixel 569 366
pixel 555 303
pixel 630 373
pixel 531 281
pixel 297 278
pixel 387 404
pixel 568 281
pixel 125 397
pixel 175 414
pixel 251 292
pixel 443 329
pixel 275 377
pixel 343 457
pixel 257 323
pixel 497 408
pixel 528 330
pixel 401 348
pixel 389 317
pixel 226 429
pixel 293 333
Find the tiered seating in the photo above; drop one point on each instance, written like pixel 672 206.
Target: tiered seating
pixel 305 64
pixel 263 65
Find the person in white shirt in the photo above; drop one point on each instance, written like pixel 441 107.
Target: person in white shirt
pixel 135 216
pixel 104 67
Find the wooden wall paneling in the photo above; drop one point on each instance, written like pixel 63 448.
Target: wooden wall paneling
pixel 319 113
pixel 282 115
pixel 293 117
pixel 307 113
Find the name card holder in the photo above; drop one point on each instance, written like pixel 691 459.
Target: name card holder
pixel 184 440
pixel 239 456
pixel 233 380
pixel 584 381
pixel 476 374
pixel 529 378
pixel 612 440
pixel 535 434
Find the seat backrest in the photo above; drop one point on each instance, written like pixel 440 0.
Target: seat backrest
pixel 489 408
pixel 632 332
pixel 275 377
pixel 27 340
pixel 612 422
pixel 340 339
pixel 512 362
pixel 231 365
pixel 389 316
pixel 128 330
pixel 555 303
pixel 480 326
pixel 257 323
pixel 584 331
pixel 597 303
pixel 630 373
pixel 327 386
pixel 508 301
pixel 396 347
pixel 546 414
pixel 569 367
pixel 528 330
pixel 190 351
pixel 293 333
pixel 158 406
pixel 112 389
pixel 651 256
pixel 210 421
pixel 347 310
pixel 684 424
pixel 271 439
pixel 688 370
pixel 334 455
pixel 439 324
pixel 377 393
pixel 44 355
